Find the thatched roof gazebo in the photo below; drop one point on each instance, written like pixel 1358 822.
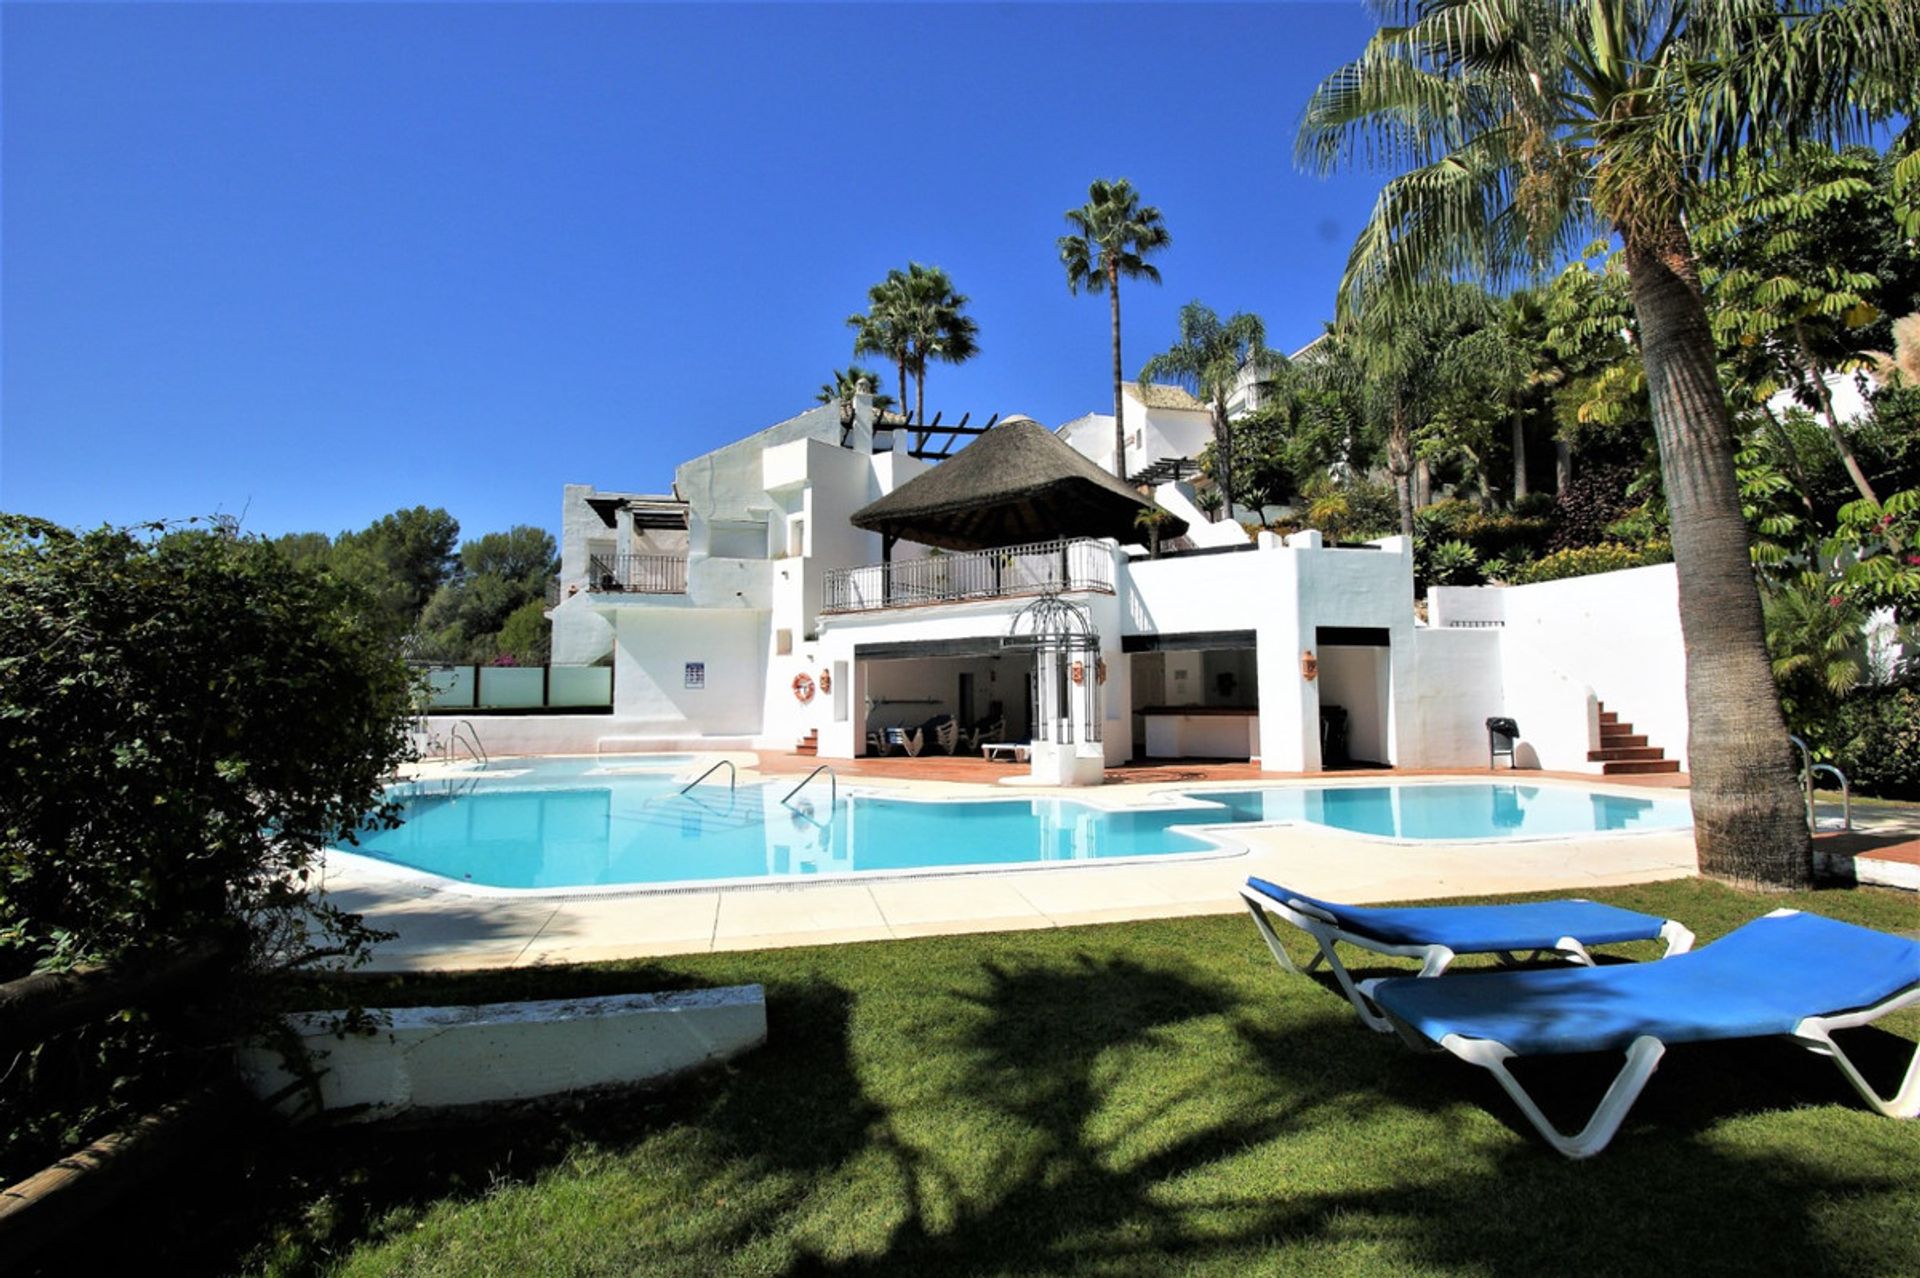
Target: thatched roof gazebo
pixel 1017 483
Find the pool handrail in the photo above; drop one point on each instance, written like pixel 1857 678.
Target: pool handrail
pixel 833 780
pixel 733 776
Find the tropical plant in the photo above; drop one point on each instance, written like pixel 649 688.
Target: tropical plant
pixel 1795 252
pixel 1113 235
pixel 1152 519
pixel 845 385
pixel 882 328
pixel 1400 348
pixel 915 317
pixel 1209 360
pixel 1816 639
pixel 1515 131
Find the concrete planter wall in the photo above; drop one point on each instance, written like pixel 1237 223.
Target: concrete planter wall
pixel 440 1057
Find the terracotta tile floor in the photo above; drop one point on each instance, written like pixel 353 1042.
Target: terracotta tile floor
pixel 967 768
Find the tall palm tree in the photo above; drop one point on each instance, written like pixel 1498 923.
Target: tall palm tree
pixel 1208 360
pixel 935 328
pixel 1511 360
pixel 1517 128
pixel 882 329
pixel 912 317
pixel 1113 235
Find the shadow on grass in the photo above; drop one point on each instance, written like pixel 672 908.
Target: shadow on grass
pixel 1142 1099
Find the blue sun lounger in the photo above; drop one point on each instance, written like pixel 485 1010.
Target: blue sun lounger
pixel 1792 974
pixel 1437 934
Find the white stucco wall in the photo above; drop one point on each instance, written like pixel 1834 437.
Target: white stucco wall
pixel 1568 646
pixel 649 673
pixel 441 1057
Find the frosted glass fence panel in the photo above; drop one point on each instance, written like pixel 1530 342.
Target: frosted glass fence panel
pixel 452 686
pixel 512 687
pixel 580 686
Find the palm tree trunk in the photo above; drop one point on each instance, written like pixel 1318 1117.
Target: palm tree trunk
pixel 1422 484
pixel 1223 438
pixel 1817 376
pixel 920 397
pixel 1749 825
pixel 1400 463
pixel 1119 405
pixel 1519 455
pixel 1562 467
pixel 903 381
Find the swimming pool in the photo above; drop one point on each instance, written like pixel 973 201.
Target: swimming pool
pixel 583 824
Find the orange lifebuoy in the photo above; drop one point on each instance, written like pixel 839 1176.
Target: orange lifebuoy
pixel 826 681
pixel 1079 672
pixel 1100 670
pixel 803 688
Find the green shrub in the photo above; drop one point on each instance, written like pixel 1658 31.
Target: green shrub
pixel 187 720
pixel 1876 737
pixel 1584 561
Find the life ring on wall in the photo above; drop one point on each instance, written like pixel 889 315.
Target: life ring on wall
pixel 1100 670
pixel 1079 672
pixel 803 688
pixel 826 681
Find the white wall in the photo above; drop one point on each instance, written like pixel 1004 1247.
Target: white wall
pixel 649 671
pixel 438 1057
pixel 1566 646
pixel 1450 690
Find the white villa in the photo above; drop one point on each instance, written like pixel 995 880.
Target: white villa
pixel 819 586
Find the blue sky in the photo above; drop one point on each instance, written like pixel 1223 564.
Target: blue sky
pixel 318 262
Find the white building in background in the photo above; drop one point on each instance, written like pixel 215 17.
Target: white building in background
pixel 745 610
pixel 1162 424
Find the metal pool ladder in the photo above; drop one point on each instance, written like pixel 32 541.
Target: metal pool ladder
pixel 833 792
pixel 469 739
pixel 1807 770
pixel 733 776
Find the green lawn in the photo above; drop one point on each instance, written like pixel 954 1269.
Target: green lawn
pixel 1140 1098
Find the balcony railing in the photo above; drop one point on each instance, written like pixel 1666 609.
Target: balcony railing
pixel 981 574
pixel 637 575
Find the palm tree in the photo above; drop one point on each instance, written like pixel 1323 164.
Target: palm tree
pixel 1514 132
pixel 1391 355
pixel 935 328
pixel 1208 360
pixel 1114 234
pixel 1510 359
pixel 882 329
pixel 845 385
pixel 914 316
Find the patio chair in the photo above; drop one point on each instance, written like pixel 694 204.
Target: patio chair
pixel 986 730
pixel 1436 934
pixel 947 735
pixel 876 743
pixel 912 742
pixel 1788 974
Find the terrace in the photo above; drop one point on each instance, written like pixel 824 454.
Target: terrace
pixel 1076 564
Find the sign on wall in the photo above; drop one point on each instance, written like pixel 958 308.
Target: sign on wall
pixel 696 674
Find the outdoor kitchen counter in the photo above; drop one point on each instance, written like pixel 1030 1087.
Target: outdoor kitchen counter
pixel 1202 732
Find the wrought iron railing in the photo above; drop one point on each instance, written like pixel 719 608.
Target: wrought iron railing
pixel 637 575
pixel 1032 569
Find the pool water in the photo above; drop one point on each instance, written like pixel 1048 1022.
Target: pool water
pixel 575 823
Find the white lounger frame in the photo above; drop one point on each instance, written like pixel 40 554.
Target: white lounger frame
pixel 1643 1056
pixel 1326 932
